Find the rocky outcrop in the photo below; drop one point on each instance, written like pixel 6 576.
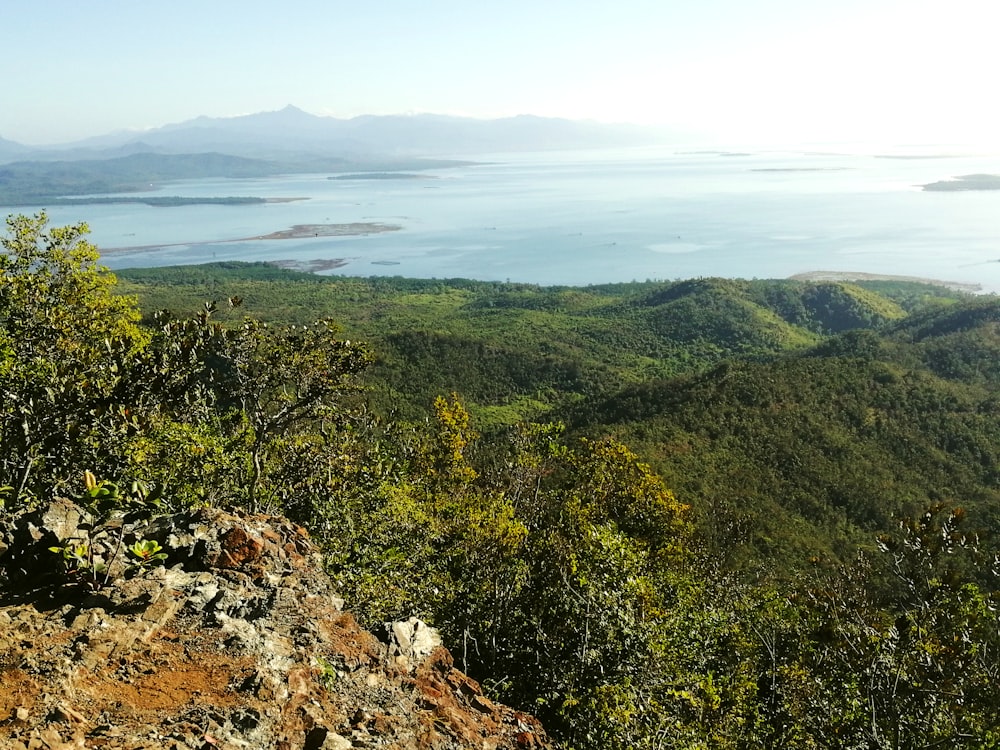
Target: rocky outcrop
pixel 238 642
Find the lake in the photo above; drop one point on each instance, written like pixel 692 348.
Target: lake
pixel 594 217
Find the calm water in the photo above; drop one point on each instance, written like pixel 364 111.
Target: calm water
pixel 583 218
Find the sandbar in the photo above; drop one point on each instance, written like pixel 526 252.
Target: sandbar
pixel 302 231
pixel 310 266
pixel 296 232
pixel 382 176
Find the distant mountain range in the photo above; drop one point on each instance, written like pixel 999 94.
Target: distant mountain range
pixel 10 150
pixel 293 133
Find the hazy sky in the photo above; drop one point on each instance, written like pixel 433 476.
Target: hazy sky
pixel 903 71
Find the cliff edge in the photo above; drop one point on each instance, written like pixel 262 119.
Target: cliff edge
pixel 238 642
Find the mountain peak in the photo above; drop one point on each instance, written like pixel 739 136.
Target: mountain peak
pixel 288 112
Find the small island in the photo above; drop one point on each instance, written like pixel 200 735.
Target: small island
pixel 966 182
pixel 382 176
pixel 303 231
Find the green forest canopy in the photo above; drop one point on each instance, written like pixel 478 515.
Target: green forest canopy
pixel 734 521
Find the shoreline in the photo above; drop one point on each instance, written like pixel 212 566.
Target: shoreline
pixel 957 286
pixel 295 232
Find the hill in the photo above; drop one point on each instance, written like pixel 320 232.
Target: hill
pixel 797 418
pixel 810 454
pixel 812 585
pixel 533 348
pixel 10 150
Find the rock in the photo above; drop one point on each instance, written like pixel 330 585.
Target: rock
pixel 62 519
pixel 411 642
pixel 239 549
pixel 68 715
pixel 337 742
pixel 25 559
pixel 240 643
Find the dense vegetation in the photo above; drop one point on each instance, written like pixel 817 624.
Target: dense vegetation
pixel 533 348
pixel 733 523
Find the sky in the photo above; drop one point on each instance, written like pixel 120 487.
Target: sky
pixel 740 71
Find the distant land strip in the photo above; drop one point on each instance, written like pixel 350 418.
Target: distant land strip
pixel 800 169
pixel 966 182
pixel 383 176
pixel 916 156
pixel 957 286
pixel 158 201
pixel 296 232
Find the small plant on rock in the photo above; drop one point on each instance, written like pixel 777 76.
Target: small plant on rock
pixel 146 552
pixel 89 557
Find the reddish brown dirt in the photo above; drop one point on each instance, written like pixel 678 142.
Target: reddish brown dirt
pixel 240 645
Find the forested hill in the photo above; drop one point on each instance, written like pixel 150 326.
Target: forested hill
pixel 795 455
pixel 711 513
pixel 811 455
pixel 536 348
pixel 798 419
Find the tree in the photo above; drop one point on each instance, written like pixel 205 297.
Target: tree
pixel 550 574
pixel 65 338
pixel 192 404
pixel 900 651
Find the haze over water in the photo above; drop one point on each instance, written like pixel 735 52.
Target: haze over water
pixel 581 218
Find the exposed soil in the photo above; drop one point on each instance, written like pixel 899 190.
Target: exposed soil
pixel 240 643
